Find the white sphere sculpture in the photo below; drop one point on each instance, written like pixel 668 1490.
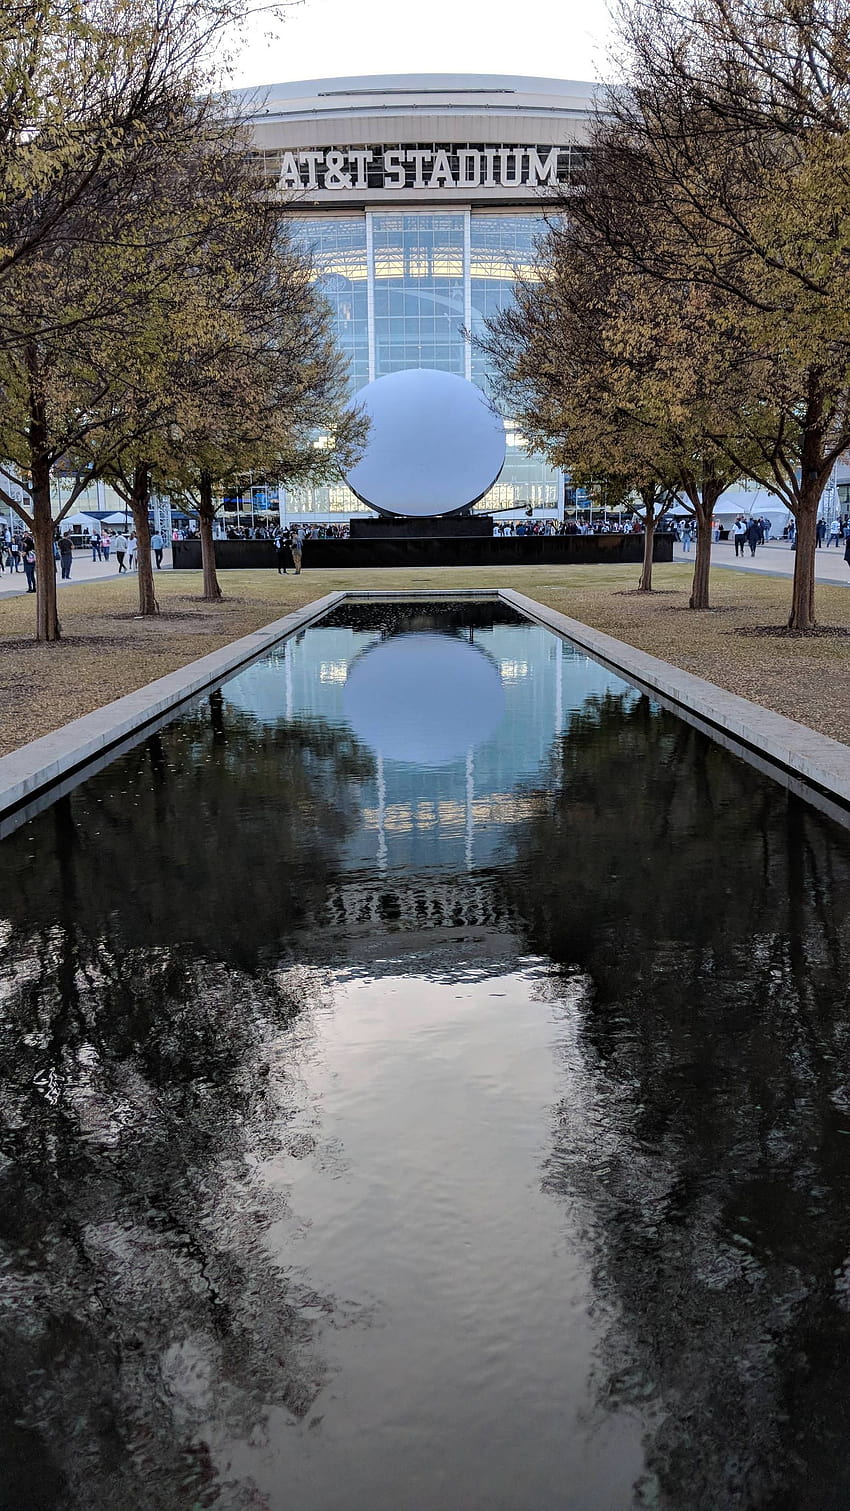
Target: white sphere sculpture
pixel 435 444
pixel 425 699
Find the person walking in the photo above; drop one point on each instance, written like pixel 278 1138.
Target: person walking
pixel 835 532
pixel 96 552
pixel 28 548
pixel 105 545
pixel 820 531
pixel 121 544
pixel 132 547
pixel 157 546
pixel 739 532
pixel 295 546
pixel 753 536
pixel 15 554
pixel 66 555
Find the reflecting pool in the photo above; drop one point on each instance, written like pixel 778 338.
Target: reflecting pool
pixel 444 1112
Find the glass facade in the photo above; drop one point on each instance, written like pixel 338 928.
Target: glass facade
pixel 418 263
pixel 338 248
pixel 501 250
pixel 403 288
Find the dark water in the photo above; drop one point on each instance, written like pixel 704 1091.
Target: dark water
pixel 389 1136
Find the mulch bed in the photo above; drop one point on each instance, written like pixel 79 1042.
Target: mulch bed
pixel 784 632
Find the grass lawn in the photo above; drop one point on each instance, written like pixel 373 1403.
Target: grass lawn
pixel 107 650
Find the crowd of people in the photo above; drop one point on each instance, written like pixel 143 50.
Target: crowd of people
pixel 17 551
pixel 17 554
pixel 750 532
pixel 835 533
pixel 325 531
pixel 573 526
pixel 319 531
pixel 17 548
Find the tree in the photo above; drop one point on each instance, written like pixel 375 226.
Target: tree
pixel 726 166
pixel 227 311
pixel 52 395
pixel 555 366
pixel 101 112
pixel 613 372
pixel 671 372
pixel 84 97
pixel 269 382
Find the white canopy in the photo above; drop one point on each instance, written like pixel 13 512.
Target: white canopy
pixel 76 522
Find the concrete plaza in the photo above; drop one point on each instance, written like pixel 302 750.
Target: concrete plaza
pixel 775 559
pixel 82 570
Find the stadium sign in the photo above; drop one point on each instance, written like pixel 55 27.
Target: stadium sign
pixel 398 168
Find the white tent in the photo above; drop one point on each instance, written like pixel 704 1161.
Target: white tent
pixel 76 522
pixel 778 516
pixel 89 521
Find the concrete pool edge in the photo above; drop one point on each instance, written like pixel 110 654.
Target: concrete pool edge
pixel 813 762
pixel 40 765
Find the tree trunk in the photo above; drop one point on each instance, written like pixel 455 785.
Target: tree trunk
pixel 46 614
pixel 206 515
pixel 699 598
pixel 645 584
pixel 139 501
pixel 802 616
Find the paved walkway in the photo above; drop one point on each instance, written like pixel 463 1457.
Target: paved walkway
pixel 82 570
pixel 776 559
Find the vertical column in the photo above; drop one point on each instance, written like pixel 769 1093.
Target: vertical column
pixel 467 292
pixel 370 294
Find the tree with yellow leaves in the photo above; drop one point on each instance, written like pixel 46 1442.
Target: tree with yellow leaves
pixel 724 166
pixel 607 383
pixel 106 114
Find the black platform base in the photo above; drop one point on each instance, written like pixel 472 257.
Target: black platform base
pixel 461 551
pixel 432 527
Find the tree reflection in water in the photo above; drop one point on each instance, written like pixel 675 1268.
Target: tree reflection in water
pixel 145 1323
pixel 699 915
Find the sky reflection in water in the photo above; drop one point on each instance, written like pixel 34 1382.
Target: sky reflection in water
pixel 473 1134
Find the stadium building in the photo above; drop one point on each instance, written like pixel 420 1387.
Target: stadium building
pixel 420 197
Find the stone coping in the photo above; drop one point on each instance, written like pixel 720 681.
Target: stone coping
pixel 769 739
pixel 40 765
pixel 812 764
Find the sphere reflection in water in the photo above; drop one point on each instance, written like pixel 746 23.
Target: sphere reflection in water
pixel 425 699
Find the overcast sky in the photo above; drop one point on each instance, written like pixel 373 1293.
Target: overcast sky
pixel 329 38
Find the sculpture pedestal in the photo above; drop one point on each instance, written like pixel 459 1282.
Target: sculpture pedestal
pixel 419 527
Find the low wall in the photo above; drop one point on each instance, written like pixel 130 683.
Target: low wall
pixel 441 525
pixel 496 551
